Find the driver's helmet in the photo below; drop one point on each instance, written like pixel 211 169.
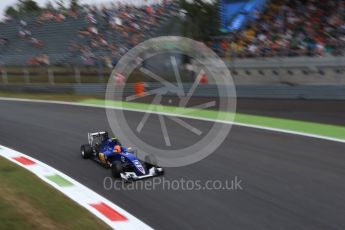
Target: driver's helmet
pixel 117 149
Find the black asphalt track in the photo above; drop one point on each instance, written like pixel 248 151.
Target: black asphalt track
pixel 288 181
pixel 319 111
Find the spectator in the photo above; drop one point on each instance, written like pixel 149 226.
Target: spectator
pixel 123 26
pixel 293 28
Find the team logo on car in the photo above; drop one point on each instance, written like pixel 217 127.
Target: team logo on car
pixel 139 166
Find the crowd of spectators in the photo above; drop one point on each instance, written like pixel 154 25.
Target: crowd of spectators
pixel 25 33
pixel 111 31
pixel 39 60
pixel 290 28
pixel 48 16
pixel 284 28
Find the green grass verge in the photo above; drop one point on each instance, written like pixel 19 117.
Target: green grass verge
pixel 26 202
pixel 46 96
pixel 326 130
pixel 62 79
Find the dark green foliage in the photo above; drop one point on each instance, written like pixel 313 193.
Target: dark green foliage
pixel 202 18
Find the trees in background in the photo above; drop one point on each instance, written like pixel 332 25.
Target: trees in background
pixel 74 4
pixel 30 6
pixel 202 18
pixel 60 5
pixel 22 7
pixel 11 12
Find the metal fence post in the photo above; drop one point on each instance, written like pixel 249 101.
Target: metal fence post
pixel 4 76
pixel 51 76
pixel 26 76
pixel 77 75
pixel 100 71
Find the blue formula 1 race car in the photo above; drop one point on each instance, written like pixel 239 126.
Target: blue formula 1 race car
pixel 122 161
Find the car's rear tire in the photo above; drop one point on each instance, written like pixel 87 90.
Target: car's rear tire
pixel 86 151
pixel 116 169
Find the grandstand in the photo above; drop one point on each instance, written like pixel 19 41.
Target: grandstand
pixel 93 36
pixel 98 37
pixel 90 36
pixel 289 28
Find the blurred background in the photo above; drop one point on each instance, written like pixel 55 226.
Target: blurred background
pixel 274 48
pixel 287 61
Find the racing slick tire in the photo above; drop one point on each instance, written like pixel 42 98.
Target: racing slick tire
pixel 86 151
pixel 116 169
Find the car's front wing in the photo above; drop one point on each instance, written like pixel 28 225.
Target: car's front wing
pixel 132 176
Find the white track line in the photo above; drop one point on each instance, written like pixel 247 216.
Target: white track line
pixel 180 115
pixel 114 216
pixel 82 195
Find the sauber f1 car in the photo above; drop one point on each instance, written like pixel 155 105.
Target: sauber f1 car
pixel 122 161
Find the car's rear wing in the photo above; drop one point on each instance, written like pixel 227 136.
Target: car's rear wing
pixel 90 136
pixel 97 133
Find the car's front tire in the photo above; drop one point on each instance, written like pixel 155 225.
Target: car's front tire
pixel 86 151
pixel 116 169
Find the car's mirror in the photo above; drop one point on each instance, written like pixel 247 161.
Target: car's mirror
pixel 132 150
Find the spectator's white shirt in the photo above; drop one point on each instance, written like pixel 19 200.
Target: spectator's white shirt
pixel 320 47
pixel 23 23
pixel 62 16
pixel 287 35
pixel 136 26
pixel 93 30
pixel 91 18
pixel 104 42
pixel 34 40
pixel 262 37
pixel 342 38
pixel 117 21
pixel 252 48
